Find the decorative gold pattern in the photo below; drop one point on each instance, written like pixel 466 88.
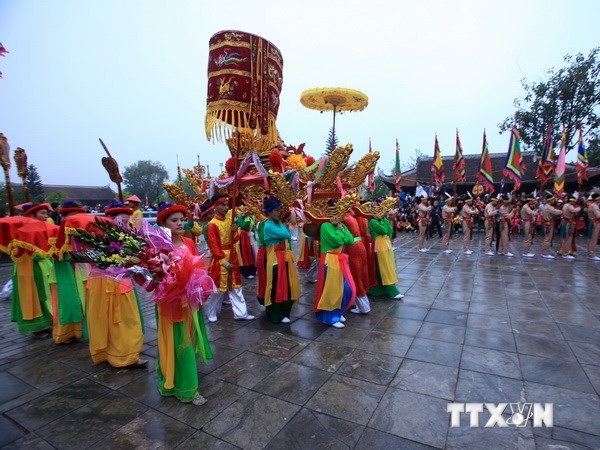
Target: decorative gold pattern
pixel 281 189
pixel 384 207
pixel 355 175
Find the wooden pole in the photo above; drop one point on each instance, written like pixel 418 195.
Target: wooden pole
pixel 9 194
pixel 234 195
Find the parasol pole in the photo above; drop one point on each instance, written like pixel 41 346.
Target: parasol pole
pixel 234 195
pixel 334 111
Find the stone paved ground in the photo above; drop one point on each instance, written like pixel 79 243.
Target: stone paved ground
pixel 470 329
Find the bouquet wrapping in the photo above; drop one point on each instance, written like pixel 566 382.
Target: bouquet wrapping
pixel 147 255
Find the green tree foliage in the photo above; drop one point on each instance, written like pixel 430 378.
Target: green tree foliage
pixel 58 197
pixel 593 150
pixel 34 184
pixel 570 95
pixel 382 190
pixel 145 178
pixel 332 142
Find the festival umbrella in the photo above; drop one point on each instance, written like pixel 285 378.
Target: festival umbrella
pixel 334 99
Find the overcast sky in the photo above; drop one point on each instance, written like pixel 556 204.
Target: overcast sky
pixel 134 73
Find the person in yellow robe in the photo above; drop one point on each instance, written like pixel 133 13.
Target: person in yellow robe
pixel 385 264
pixel 113 314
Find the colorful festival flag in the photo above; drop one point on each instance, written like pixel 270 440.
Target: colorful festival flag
pixel 513 167
pixel 582 158
pixel 545 168
pixel 485 167
pixel 398 171
pixel 3 50
pixel 371 176
pixel 459 162
pixel 559 174
pixel 437 167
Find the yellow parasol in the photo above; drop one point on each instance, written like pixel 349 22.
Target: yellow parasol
pixel 334 99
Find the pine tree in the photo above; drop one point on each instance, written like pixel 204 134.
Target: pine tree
pixel 34 184
pixel 331 142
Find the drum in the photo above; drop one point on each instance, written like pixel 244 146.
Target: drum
pixel 245 75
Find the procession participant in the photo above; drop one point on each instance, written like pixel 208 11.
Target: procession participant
pixel 385 265
pixel 490 211
pixel 113 315
pixel 357 258
pixel 137 216
pixel 423 210
pixel 567 227
pixel 448 211
pixel 75 216
pixel 467 214
pixel 191 228
pixel 67 296
pixel 245 224
pixel 181 330
pixel 528 215
pixel 282 287
pixel 505 214
pixel 594 225
pixel 261 264
pixel 304 251
pixel 367 240
pixel 335 291
pixel 548 215
pixel 224 267
pixel 33 271
pixel 207 212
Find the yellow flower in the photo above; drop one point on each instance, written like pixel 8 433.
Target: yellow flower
pixel 295 162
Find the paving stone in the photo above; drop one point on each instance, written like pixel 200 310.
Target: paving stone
pixel 293 383
pixel 204 440
pixel 9 432
pixel 58 403
pixel 399 325
pixel 93 422
pixel 378 440
pixel 387 343
pixel 151 430
pixel 29 441
pixel 437 352
pixel 490 361
pixel 325 356
pixel 567 374
pixel 424 418
pixel 326 432
pixel 252 421
pixel 496 340
pixel 347 398
pixel 566 404
pixel 12 387
pixel 247 370
pixel 476 387
pixel 426 378
pixel 368 366
pixel 442 332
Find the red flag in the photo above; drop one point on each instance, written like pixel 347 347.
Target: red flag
pixel 459 161
pixel 485 167
pixel 437 167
